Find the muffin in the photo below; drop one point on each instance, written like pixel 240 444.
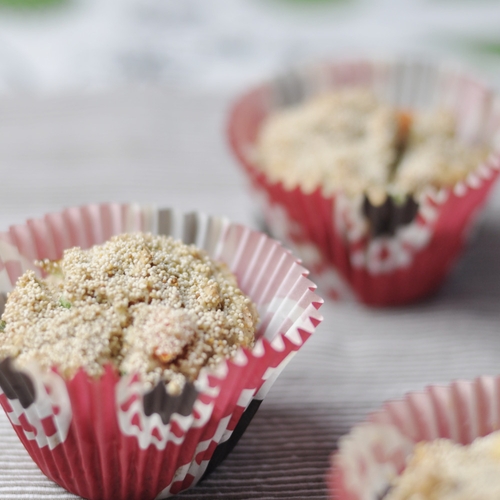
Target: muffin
pixel 441 443
pixel 372 171
pixel 118 380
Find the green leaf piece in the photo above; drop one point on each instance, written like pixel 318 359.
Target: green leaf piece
pixel 64 302
pixel 3 324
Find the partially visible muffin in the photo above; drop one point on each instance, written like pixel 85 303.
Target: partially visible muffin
pixel 148 304
pixel 443 470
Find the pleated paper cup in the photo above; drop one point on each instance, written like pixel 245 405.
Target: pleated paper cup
pixel 330 231
pixel 108 438
pixel 375 452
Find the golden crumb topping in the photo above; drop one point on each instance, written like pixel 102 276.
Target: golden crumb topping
pixel 148 304
pixel 443 470
pixel 433 155
pixel 349 140
pixel 338 140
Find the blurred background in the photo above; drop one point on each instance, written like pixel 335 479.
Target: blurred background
pixel 54 45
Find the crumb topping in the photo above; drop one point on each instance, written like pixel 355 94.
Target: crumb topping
pixel 433 155
pixel 349 140
pixel 443 470
pixel 336 140
pixel 147 304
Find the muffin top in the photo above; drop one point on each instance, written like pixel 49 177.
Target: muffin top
pixel 443 470
pixel 351 141
pixel 341 139
pixel 147 304
pixel 433 155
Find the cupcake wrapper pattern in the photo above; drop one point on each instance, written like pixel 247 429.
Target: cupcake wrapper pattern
pixel 375 452
pixel 329 231
pixel 108 438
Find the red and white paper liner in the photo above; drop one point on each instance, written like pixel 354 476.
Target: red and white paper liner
pixel 329 231
pixel 107 438
pixel 376 451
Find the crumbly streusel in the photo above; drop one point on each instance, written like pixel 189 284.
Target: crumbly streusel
pixel 349 140
pixel 443 470
pixel 336 140
pixel 433 155
pixel 148 304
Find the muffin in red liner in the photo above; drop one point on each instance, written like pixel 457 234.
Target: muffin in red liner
pixel 376 451
pixel 331 231
pixel 109 437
